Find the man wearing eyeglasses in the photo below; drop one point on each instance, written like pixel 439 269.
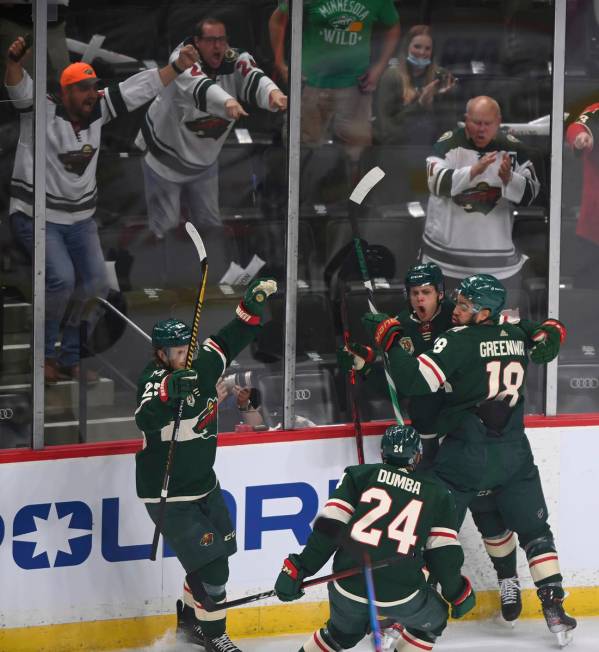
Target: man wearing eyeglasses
pixel 186 127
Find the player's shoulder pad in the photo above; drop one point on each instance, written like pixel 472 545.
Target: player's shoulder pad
pixel 448 141
pixel 509 317
pixel 232 54
pixel 457 329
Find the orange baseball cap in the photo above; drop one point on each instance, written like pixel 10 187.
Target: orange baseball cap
pixel 77 72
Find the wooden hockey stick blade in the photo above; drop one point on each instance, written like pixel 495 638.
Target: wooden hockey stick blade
pixel 366 184
pixel 209 605
pixel 197 240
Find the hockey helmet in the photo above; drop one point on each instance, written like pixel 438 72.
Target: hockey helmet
pixel 170 332
pixel 485 291
pixel 400 445
pixel 425 274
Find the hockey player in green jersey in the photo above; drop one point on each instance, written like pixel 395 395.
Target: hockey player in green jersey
pixel 481 363
pixel 196 522
pixel 385 509
pixel 429 314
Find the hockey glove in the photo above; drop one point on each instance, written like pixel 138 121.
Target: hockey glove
pixel 464 601
pixel 289 582
pixel 251 307
pixel 356 357
pixel 178 385
pixel 382 328
pixel 548 337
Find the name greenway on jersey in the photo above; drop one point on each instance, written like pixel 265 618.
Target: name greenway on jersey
pixel 502 347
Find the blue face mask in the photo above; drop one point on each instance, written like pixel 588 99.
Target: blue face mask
pixel 419 63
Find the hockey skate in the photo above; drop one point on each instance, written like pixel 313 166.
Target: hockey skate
pixel 221 643
pixel 188 626
pixel 511 600
pixel 391 635
pixel 558 621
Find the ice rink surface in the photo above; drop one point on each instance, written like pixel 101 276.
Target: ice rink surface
pixel 479 635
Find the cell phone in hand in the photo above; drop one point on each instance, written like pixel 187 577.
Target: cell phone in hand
pixel 28 38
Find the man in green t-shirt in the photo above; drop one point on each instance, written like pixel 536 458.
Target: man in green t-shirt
pixel 481 363
pixel 196 522
pixel 385 510
pixel 336 66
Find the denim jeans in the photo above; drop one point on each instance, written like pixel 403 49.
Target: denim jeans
pixel 75 270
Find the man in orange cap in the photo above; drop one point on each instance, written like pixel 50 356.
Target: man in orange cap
pixel 75 267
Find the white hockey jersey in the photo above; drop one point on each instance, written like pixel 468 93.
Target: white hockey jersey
pixel 71 156
pixel 469 222
pixel 186 126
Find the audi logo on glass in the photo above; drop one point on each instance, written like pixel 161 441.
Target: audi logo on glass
pixel 6 414
pixel 584 383
pixel 302 394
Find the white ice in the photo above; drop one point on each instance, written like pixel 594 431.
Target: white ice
pixel 476 636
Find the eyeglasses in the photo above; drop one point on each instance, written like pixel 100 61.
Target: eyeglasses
pixel 213 40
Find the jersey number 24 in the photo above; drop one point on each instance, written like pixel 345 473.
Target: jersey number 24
pixel 402 528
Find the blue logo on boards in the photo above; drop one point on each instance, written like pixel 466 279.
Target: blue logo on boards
pixel 54 535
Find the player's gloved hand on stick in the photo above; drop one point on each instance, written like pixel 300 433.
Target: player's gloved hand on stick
pixel 382 328
pixel 548 337
pixel 178 385
pixel 463 601
pixel 355 356
pixel 289 581
pixel 251 307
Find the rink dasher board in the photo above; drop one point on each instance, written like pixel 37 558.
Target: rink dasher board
pixel 74 538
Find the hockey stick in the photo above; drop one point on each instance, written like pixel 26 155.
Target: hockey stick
pixel 351 386
pixel 364 186
pixel 209 605
pixel 199 245
pixel 374 621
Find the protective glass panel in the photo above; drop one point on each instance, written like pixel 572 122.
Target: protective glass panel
pixel 578 368
pixel 16 198
pixel 158 163
pixel 371 101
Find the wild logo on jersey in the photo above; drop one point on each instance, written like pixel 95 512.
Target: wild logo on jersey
pixel 481 199
pixel 407 344
pixel 346 18
pixel 77 161
pixel 208 127
pixel 205 417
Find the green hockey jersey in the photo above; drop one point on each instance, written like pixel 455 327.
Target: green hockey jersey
pixel 418 336
pixel 391 512
pixel 192 473
pixel 472 363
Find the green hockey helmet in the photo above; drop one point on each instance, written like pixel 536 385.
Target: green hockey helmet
pixel 485 291
pixel 170 332
pixel 400 445
pixel 425 274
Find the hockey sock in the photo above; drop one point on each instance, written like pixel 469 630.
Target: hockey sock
pixel 502 552
pixel 542 560
pixel 209 581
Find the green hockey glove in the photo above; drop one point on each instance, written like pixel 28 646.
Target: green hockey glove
pixel 464 601
pixel 178 385
pixel 289 583
pixel 356 357
pixel 382 328
pixel 251 307
pixel 548 337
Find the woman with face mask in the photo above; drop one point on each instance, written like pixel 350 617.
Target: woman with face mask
pixel 408 92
